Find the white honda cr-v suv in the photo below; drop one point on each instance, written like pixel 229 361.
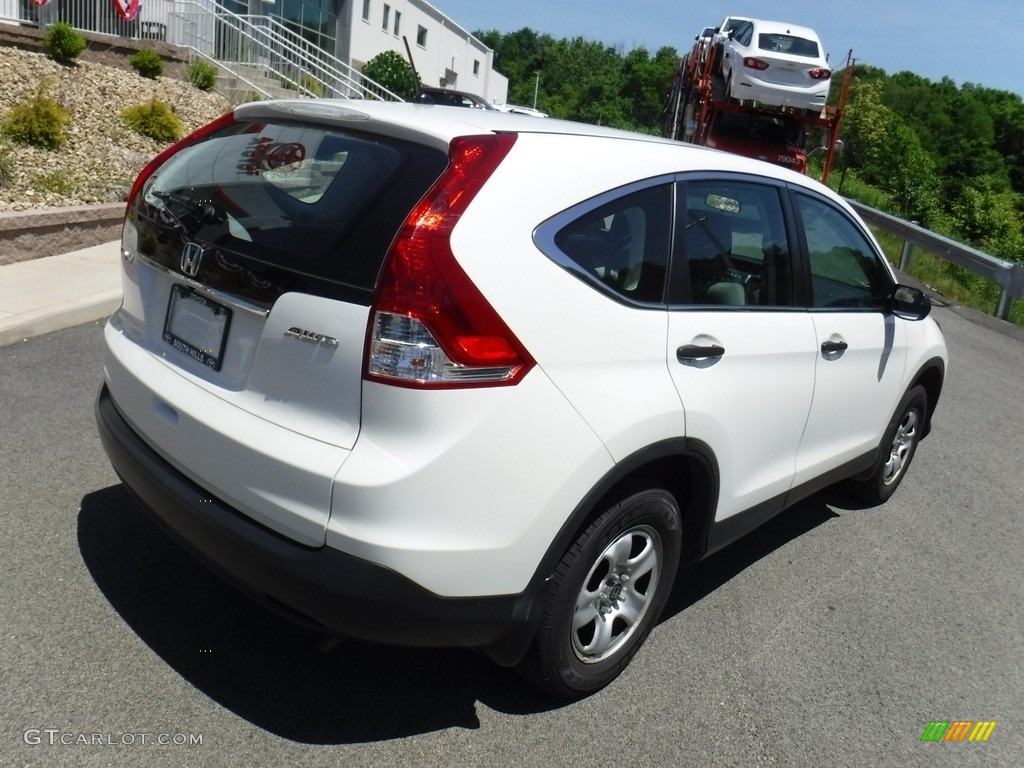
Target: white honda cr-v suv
pixel 432 376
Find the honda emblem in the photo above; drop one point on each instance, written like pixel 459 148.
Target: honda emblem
pixel 191 258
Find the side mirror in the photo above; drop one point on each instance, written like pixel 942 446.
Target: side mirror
pixel 909 303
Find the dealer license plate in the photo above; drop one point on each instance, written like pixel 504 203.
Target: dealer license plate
pixel 197 326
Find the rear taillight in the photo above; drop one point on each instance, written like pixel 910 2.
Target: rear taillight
pixel 429 324
pixel 820 74
pixel 751 63
pixel 163 157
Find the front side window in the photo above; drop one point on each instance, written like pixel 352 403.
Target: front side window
pixel 622 245
pixel 387 17
pixel 734 245
pixel 366 10
pixel 398 21
pixel 846 271
pixel 421 37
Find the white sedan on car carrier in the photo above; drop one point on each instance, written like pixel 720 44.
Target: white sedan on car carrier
pixel 445 377
pixel 776 64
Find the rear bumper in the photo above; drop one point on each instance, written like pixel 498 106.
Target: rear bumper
pixel 320 587
pixel 775 94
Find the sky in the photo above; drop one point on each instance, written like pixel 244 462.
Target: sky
pixel 977 41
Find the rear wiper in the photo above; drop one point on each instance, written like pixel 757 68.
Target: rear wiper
pixel 205 212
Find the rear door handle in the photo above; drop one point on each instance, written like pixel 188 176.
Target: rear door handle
pixel 831 347
pixel 698 352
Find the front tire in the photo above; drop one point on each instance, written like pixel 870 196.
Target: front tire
pixel 605 596
pixel 897 449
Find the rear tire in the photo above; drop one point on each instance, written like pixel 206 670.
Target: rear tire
pixel 605 596
pixel 897 449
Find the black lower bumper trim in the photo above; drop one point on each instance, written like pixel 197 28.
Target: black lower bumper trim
pixel 320 587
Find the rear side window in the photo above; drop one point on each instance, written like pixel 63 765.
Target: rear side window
pixel 623 244
pixel 304 199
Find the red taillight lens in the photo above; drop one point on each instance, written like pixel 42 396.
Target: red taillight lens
pixel 820 74
pixel 430 325
pixel 226 119
pixel 751 63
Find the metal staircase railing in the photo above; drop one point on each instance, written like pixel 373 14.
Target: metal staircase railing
pixel 257 56
pixel 261 57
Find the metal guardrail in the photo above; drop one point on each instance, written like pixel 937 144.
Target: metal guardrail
pixel 1008 275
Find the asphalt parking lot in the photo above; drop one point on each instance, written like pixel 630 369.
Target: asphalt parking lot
pixel 831 637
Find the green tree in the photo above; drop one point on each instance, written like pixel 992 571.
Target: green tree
pixel 887 152
pixel 391 70
pixel 647 83
pixel 583 81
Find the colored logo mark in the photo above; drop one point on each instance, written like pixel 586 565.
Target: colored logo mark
pixel 958 730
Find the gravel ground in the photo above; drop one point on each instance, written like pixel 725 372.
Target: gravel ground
pixel 102 155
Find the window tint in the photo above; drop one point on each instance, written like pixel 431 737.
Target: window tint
pixel 296 197
pixel 845 269
pixel 623 245
pixel 735 246
pixel 796 46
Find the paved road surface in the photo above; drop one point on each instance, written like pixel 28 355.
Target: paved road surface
pixel 830 638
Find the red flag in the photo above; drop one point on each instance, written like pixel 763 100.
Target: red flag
pixel 126 9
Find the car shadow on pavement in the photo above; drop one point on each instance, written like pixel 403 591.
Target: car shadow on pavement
pixel 304 686
pixel 699 580
pixel 279 676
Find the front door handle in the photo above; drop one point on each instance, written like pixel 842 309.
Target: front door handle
pixel 698 352
pixel 832 347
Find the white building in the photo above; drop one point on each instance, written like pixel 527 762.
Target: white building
pixel 355 31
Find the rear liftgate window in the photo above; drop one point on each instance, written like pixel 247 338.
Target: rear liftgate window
pixel 285 207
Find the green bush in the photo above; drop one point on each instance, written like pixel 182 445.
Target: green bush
pixel 63 42
pixel 308 84
pixel 147 62
pixel 39 122
pixel 6 166
pixel 201 74
pixel 155 120
pixel 391 70
pixel 57 183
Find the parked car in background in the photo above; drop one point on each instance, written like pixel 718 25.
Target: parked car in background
pixel 458 378
pixel 776 64
pixel 515 109
pixel 727 27
pixel 447 97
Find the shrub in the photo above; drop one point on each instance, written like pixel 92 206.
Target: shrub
pixel 39 122
pixel 308 84
pixel 392 71
pixel 63 42
pixel 155 120
pixel 57 183
pixel 201 74
pixel 6 166
pixel 147 62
